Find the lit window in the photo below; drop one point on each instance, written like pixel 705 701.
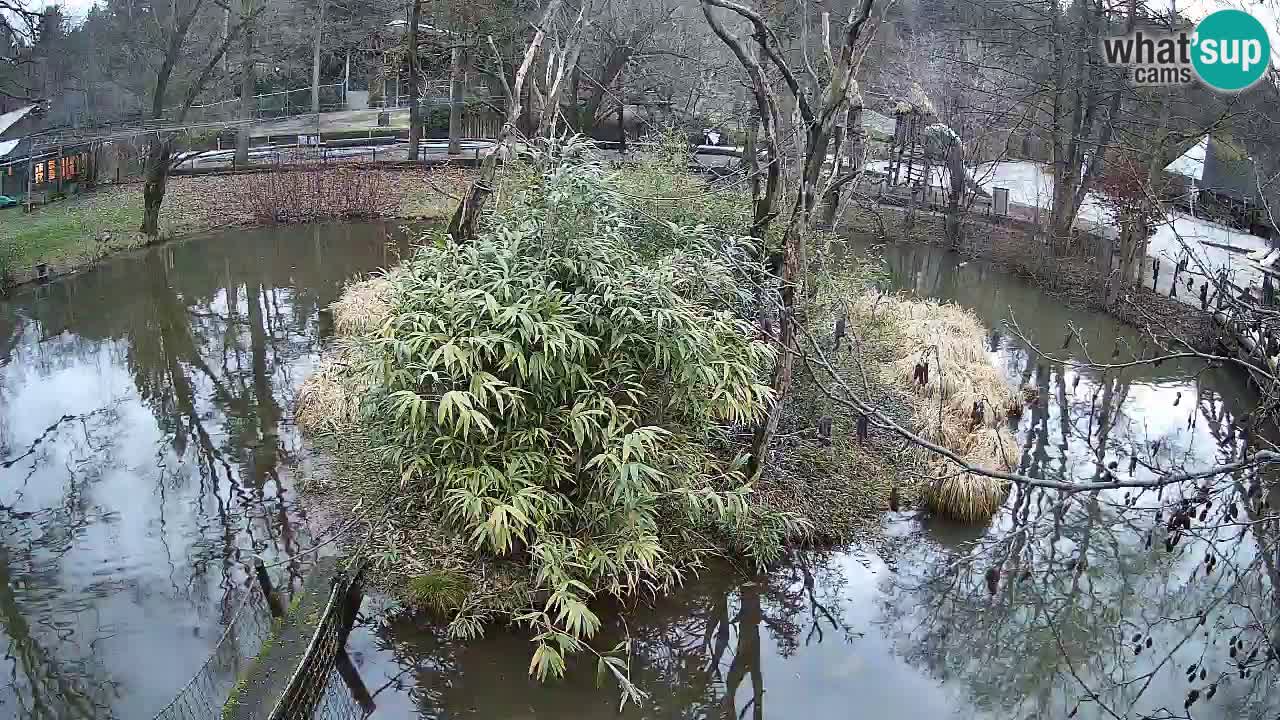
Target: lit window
pixel 53 170
pixel 39 173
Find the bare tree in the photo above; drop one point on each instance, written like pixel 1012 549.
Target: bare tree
pixel 415 112
pixel 248 81
pixel 819 106
pixel 466 217
pixel 18 27
pixel 456 80
pixel 175 30
pixel 315 61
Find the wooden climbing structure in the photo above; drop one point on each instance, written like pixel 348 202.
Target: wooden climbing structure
pixel 908 163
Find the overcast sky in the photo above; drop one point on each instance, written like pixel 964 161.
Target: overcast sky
pixel 1268 11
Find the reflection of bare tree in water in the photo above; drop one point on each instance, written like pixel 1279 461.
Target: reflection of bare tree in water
pixel 208 348
pixel 1133 574
pixel 41 684
pixel 44 677
pixel 235 459
pixel 698 653
pixel 1083 610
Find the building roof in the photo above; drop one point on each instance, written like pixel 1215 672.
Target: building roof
pixel 1190 163
pixel 878 122
pixel 7 146
pixel 1218 166
pixel 1229 171
pixel 8 119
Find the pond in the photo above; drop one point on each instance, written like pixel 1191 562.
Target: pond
pixel 145 452
pixel 147 449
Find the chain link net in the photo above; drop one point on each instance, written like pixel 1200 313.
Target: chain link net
pixel 316 689
pixel 207 691
pixel 337 702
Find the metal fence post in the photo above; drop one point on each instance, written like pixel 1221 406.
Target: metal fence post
pixel 273 601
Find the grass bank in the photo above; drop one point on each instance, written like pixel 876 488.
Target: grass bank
pixel 75 233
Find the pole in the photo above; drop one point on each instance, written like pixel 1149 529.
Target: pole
pixel 455 100
pixel 315 64
pixel 31 173
pixel 351 676
pixel 622 125
pixel 273 601
pixel 346 80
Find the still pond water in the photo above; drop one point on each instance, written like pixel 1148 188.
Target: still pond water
pixel 147 448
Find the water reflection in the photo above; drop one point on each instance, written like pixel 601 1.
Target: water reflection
pixel 145 450
pixel 787 644
pixel 1090 612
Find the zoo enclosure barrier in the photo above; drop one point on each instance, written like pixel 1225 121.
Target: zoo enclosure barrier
pixel 324 685
pixel 272 105
pixel 204 695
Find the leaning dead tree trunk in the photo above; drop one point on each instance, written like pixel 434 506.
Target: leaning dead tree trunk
pixel 559 63
pixel 818 116
pixel 466 217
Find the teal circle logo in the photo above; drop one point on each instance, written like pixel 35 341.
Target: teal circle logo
pixel 1232 50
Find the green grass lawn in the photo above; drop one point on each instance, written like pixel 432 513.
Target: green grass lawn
pixel 81 229
pixel 76 230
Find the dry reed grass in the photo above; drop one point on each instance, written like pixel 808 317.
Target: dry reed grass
pixel 329 400
pixel 363 306
pixel 953 342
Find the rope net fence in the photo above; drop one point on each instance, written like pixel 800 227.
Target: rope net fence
pixel 204 695
pixel 317 689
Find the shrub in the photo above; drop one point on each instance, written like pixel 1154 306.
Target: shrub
pixel 561 400
pixel 441 592
pixel 8 261
pixel 331 193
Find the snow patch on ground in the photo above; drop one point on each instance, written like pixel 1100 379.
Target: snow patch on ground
pixel 1031 184
pixel 1186 236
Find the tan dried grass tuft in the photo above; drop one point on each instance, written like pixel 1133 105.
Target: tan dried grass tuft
pixel 329 400
pixel 953 341
pixel 363 307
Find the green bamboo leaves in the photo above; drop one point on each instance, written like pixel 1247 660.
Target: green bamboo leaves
pixel 558 393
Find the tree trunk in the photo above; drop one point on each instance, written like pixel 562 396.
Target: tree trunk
pixel 455 100
pixel 622 116
pixel 465 222
pixel 751 154
pixel 315 62
pixel 415 113
pixel 956 174
pixel 155 180
pixel 575 103
pixel 248 85
pixel 847 162
pixel 784 369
